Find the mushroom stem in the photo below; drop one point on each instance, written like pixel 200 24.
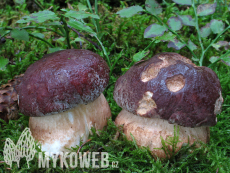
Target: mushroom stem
pixel 66 129
pixel 148 132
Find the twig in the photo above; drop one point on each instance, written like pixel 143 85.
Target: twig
pixel 39 5
pixel 85 153
pixel 39 38
pixel 83 145
pixel 79 34
pixel 99 149
pixel 50 8
pixel 116 135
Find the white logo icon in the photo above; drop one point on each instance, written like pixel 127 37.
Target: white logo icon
pixel 25 148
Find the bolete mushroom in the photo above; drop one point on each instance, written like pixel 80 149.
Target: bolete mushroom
pixel 62 94
pixel 164 91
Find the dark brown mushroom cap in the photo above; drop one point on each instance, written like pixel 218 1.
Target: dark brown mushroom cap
pixel 61 80
pixel 169 86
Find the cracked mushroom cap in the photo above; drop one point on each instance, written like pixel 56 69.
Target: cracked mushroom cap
pixel 169 86
pixel 61 80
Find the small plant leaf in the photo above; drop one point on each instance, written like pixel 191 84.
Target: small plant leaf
pixel 226 60
pixel 220 44
pixel 124 69
pixel 168 36
pixel 175 23
pixel 153 7
pixel 183 2
pixel 214 59
pixel 20 34
pixel 81 7
pixel 55 49
pixel 53 23
pixel 65 10
pixel 40 35
pixel 77 40
pixel 3 63
pixel 80 26
pixel 195 59
pixel 176 44
pixel 19 1
pixel 187 20
pixel 130 11
pixel 61 39
pixel 206 9
pixel 22 21
pixel 154 30
pixel 39 17
pixel 205 31
pixel 191 45
pixel 138 56
pixel 2 31
pixel 216 26
pixel 80 15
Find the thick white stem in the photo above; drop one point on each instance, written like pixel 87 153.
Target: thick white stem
pixel 148 132
pixel 65 130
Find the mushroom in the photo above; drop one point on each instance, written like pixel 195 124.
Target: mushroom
pixel 165 91
pixel 62 94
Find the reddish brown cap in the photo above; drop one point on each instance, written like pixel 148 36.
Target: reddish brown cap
pixel 61 80
pixel 169 86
